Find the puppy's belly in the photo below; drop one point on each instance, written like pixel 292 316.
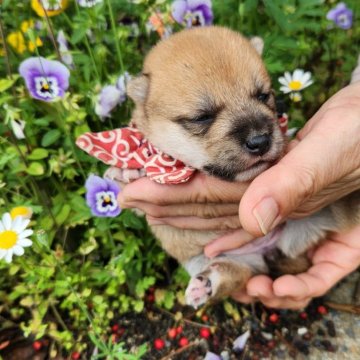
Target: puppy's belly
pixel 183 244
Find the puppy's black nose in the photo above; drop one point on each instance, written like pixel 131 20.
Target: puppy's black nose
pixel 258 145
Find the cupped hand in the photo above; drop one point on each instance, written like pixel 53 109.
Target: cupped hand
pixel 204 203
pixel 332 260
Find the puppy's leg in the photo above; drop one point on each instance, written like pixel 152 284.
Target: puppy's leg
pixel 219 277
pixel 299 235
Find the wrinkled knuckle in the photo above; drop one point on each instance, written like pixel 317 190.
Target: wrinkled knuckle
pixel 305 181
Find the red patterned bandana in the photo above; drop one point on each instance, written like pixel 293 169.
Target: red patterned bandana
pixel 126 148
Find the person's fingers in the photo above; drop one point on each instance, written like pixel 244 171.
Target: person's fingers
pixel 196 223
pixel 284 303
pixel 277 192
pixel 206 211
pixel 200 189
pixel 260 286
pixel 242 297
pixel 229 241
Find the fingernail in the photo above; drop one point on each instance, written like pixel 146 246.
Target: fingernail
pixel 267 214
pixel 253 294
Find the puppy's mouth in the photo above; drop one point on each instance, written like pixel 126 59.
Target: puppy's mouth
pixel 231 173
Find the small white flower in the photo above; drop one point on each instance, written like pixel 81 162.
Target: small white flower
pixel 295 96
pixel 18 127
pixel 13 236
pixel 89 3
pixel 52 4
pixel 297 81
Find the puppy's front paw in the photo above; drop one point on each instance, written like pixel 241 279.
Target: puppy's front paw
pixel 198 291
pixel 123 175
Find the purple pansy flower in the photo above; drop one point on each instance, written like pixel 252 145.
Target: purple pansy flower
pixel 45 79
pixel 101 196
pixel 111 96
pixel 341 15
pixel 192 12
pixel 64 50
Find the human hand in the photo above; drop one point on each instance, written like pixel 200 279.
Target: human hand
pixel 335 258
pixel 204 203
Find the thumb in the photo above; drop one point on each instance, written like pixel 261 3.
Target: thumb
pixel 306 169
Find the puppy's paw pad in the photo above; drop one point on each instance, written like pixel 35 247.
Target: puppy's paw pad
pixel 198 291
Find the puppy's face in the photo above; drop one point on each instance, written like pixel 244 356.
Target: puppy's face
pixel 205 98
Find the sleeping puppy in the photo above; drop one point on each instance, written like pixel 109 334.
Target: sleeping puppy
pixel 204 97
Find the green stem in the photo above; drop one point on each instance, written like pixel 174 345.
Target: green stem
pixel 58 316
pixel 51 31
pixel 117 43
pixel 88 47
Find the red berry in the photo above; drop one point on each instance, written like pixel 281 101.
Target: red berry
pixel 172 333
pixel 183 342
pixel 150 298
pixel 205 318
pixel 37 345
pixel 205 333
pixel 75 355
pixel 274 318
pixel 159 344
pixel 303 315
pixel 322 310
pixel 115 328
pixel 179 330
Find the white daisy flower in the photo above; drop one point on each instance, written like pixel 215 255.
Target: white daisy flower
pixel 297 81
pixel 295 96
pixel 13 236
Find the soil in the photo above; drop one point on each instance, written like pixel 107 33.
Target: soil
pixel 319 332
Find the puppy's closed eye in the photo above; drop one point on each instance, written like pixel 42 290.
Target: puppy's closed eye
pixel 263 96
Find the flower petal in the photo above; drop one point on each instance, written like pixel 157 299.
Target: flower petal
pixel 178 10
pixel 285 89
pixel 8 256
pixel 6 219
pixel 26 233
pixel 298 74
pixel 18 250
pixel 240 342
pixel 283 81
pixel 24 242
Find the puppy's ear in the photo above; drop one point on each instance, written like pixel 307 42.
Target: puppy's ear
pixel 137 88
pixel 258 43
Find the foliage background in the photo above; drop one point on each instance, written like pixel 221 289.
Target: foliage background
pixel 83 271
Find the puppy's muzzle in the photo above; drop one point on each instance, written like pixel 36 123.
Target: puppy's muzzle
pixel 258 145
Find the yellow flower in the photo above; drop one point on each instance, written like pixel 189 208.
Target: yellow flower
pixel 17 41
pixel 52 7
pixel 23 211
pixel 26 25
pixel 32 46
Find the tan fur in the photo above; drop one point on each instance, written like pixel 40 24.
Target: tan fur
pixel 184 76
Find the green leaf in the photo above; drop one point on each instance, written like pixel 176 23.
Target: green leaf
pixel 35 169
pixel 7 83
pixel 63 214
pixel 38 154
pixel 50 137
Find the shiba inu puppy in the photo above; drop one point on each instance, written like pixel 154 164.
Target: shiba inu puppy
pixel 204 97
